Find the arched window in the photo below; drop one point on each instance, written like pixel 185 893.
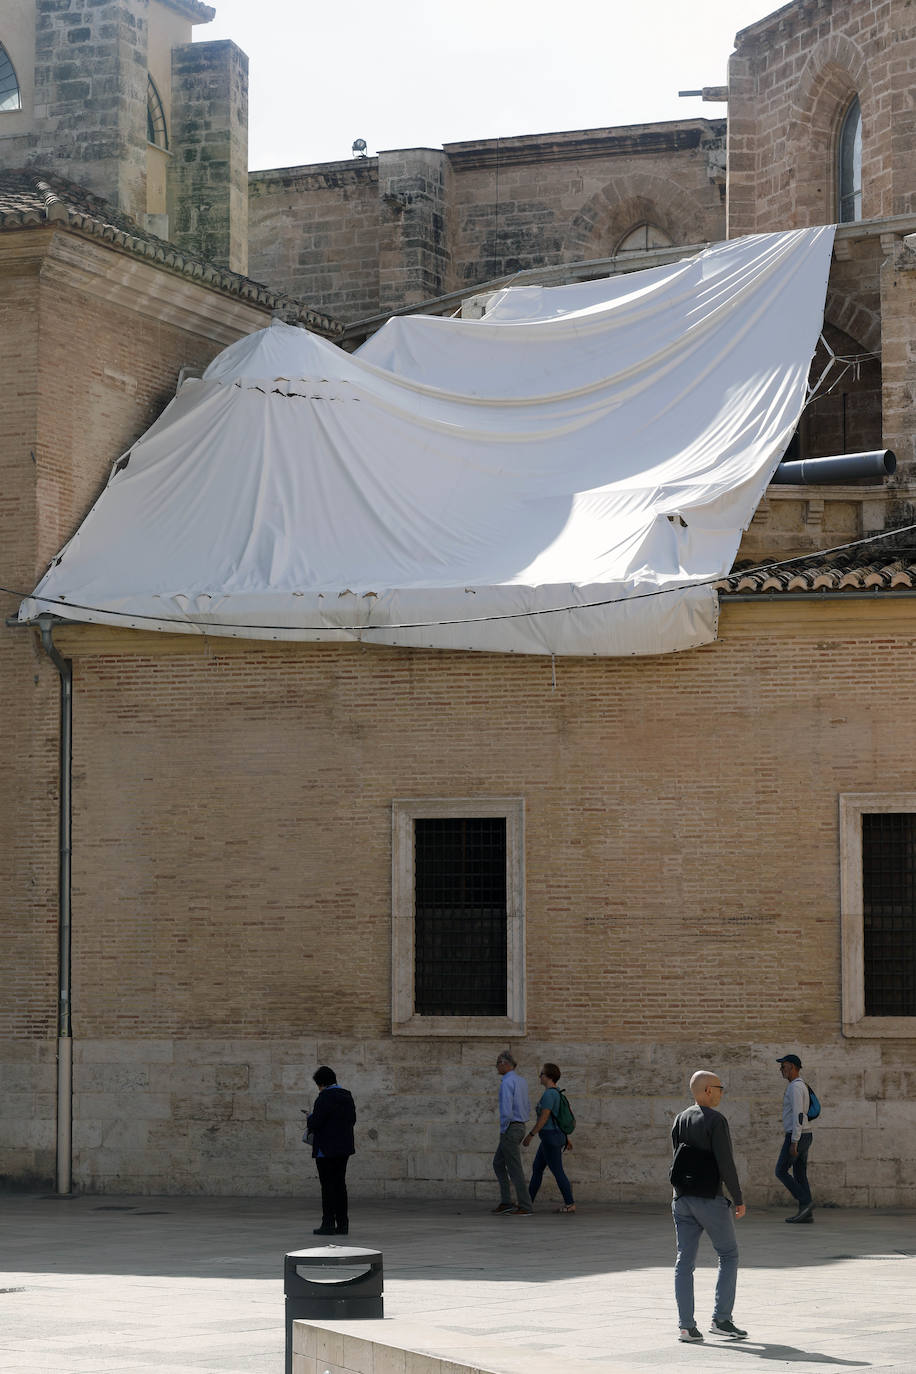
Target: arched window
pixel 9 85
pixel 156 131
pixel 641 238
pixel 849 165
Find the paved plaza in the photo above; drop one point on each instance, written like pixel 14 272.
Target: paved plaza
pixel 107 1285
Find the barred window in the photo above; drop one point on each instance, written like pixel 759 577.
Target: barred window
pixel 889 913
pixel 878 895
pixel 458 923
pixel 460 914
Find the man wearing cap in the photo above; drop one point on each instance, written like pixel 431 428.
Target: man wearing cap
pixel 792 1165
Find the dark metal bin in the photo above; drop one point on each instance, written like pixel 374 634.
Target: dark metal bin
pixel 331 1282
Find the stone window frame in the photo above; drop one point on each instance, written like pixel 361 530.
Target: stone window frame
pixel 856 191
pixel 648 225
pixel 853 805
pixel 155 116
pixel 7 90
pixel 404 1019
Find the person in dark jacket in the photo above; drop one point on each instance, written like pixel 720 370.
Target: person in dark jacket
pixel 330 1125
pixel 704 1206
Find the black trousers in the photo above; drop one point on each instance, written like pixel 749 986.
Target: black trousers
pixel 332 1174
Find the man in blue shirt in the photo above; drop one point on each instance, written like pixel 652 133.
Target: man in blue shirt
pixel 514 1111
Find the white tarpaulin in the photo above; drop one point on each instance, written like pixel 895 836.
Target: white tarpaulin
pixel 562 476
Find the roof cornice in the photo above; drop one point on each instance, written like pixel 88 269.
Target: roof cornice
pixel 49 204
pixel 194 10
pixel 624 141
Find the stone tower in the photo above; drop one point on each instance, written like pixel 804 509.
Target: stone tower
pixel 115 97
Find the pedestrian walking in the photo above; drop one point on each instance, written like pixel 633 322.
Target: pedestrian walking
pixel 792 1164
pixel 514 1111
pixel 703 1162
pixel 552 1141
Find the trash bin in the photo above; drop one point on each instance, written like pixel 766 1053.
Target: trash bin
pixel 336 1282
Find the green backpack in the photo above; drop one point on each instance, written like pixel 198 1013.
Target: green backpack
pixel 566 1121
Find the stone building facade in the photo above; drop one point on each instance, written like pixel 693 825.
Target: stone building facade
pixel 688 829
pixel 378 234
pixel 682 900
pixel 97 320
pixel 116 98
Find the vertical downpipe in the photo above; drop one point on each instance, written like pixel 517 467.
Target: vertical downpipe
pixel 64 1025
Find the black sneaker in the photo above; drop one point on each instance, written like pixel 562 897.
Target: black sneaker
pixel 503 1207
pixel 727 1328
pixel 690 1333
pixel 804 1213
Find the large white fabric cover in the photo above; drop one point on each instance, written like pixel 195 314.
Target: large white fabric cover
pixel 562 476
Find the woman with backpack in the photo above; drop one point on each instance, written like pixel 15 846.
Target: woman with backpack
pixel 551 1109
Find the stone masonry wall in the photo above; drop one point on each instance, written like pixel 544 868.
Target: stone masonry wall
pixel 526 202
pixel 90 99
pixel 314 232
pixel 232 898
pixel 898 313
pixel 414 250
pixel 225 1116
pixel 208 173
pixel 791 79
pixel 376 234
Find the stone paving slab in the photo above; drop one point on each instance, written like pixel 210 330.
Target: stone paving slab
pixel 137 1285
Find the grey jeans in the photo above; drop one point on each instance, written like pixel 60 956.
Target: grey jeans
pixel 693 1216
pixel 507 1164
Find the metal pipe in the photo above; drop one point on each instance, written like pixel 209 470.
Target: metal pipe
pixel 879 462
pixel 65 817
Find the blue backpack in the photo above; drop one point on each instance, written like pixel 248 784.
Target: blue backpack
pixel 814 1105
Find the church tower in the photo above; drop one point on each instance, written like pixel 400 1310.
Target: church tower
pixel 117 98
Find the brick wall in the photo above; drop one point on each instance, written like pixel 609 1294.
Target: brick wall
pixel 88 365
pixel 232 897
pixel 790 80
pixel 28 813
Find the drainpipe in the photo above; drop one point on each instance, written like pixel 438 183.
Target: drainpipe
pixel 64 1025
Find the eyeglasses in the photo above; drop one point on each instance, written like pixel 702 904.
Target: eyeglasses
pixel 720 1086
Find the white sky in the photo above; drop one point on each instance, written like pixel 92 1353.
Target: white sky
pixel 416 73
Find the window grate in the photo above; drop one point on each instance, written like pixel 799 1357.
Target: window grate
pixel 889 909
pixel 460 919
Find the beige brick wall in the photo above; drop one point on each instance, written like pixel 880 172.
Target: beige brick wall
pixel 232 897
pixel 87 366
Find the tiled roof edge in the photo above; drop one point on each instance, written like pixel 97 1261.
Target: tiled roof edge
pixel 55 210
pixel 898 574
